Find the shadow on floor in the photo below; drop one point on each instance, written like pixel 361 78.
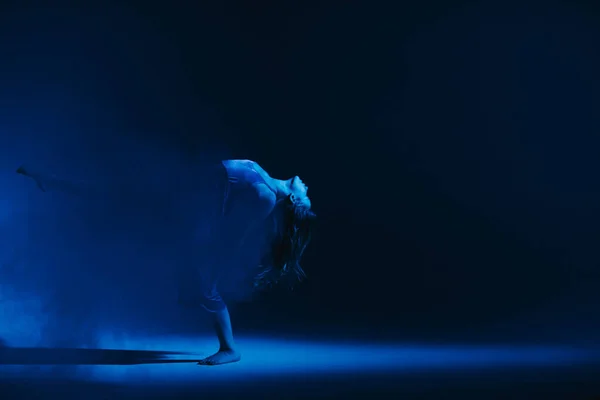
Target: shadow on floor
pixel 58 356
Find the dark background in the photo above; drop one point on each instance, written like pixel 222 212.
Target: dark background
pixel 450 147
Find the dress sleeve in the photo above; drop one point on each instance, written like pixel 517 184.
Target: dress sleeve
pixel 244 219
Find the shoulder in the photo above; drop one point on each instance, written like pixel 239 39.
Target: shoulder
pixel 233 164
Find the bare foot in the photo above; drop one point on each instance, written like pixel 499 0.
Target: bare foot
pixel 221 357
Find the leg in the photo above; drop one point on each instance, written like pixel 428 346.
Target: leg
pixel 227 350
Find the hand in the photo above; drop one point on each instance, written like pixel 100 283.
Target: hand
pixel 22 171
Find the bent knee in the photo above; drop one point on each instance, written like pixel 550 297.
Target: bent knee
pixel 212 302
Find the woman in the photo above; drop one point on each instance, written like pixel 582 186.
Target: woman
pixel 257 226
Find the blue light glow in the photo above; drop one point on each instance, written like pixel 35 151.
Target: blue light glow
pixel 266 358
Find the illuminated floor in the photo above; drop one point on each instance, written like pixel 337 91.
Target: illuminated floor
pixel 272 367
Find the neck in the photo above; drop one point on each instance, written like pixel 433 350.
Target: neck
pixel 281 188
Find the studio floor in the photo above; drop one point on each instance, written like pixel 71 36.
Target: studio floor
pixel 164 367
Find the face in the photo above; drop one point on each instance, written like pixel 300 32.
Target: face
pixel 299 191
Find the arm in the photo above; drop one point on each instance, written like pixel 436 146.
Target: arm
pixel 51 183
pixel 264 205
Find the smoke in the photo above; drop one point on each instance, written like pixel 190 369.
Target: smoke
pixel 87 98
pixel 78 265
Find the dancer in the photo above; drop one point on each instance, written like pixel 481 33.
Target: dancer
pixel 256 226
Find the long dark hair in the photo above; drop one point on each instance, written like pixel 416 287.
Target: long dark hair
pixel 293 226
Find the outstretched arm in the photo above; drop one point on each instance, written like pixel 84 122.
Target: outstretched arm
pixel 48 183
